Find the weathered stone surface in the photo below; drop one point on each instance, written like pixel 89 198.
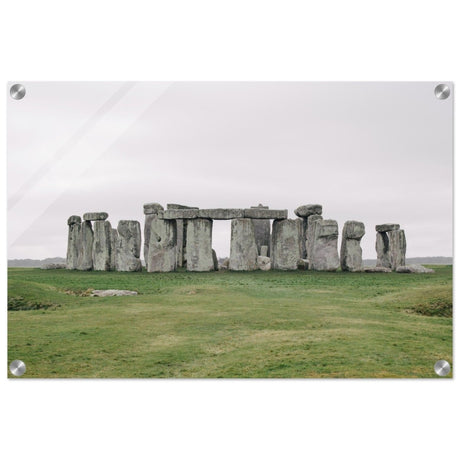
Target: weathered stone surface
pixel 262 229
pixel 353 230
pixel 303 225
pixel 304 212
pixel 308 210
pixel 102 249
pixel 220 214
pixel 128 248
pixel 181 234
pixel 415 268
pixel 74 220
pixel 162 246
pixel 324 255
pixel 377 270
pixel 285 250
pixel 258 213
pixel 302 264
pixel 215 260
pixel 181 226
pixel 113 245
pixel 152 208
pixel 397 240
pixel 85 258
pixel 147 224
pixel 111 292
pixel 264 251
pixel 95 216
pixel 351 256
pixel 243 248
pixel 351 259
pixel 310 234
pixel 386 227
pixel 180 214
pixel 179 206
pixel 382 247
pixel 199 248
pixel 224 213
pixel 73 243
pixel 264 263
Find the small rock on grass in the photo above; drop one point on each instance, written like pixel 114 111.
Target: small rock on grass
pixel 377 270
pixel 415 268
pixel 111 292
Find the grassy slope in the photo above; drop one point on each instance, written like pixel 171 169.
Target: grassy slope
pixel 223 324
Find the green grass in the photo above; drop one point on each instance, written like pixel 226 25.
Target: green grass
pixel 224 324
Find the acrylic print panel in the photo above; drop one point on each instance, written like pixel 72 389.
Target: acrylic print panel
pixel 255 229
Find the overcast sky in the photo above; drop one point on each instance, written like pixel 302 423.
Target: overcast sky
pixel 372 152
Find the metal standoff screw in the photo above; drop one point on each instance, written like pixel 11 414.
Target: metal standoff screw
pixel 442 91
pixel 17 368
pixel 17 91
pixel 442 367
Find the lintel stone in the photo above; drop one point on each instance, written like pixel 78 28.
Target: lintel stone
pixel 225 213
pixel 260 213
pixel 386 227
pixel 180 214
pixel 95 216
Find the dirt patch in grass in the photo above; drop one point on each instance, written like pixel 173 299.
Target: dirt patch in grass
pixel 20 304
pixel 433 307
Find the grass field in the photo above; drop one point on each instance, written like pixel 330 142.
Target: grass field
pixel 224 324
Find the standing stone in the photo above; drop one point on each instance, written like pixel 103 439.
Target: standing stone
pixel 325 256
pixel 262 231
pixel 351 254
pixel 102 250
pixel 128 246
pixel 285 244
pixel 113 244
pixel 304 212
pixel 85 259
pixel 382 247
pixel 243 247
pixel 215 260
pixel 150 210
pixel 310 234
pixel 397 240
pixel 181 232
pixel 264 251
pixel 162 246
pixel 73 242
pixel 199 245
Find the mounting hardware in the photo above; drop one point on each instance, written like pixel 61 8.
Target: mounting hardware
pixel 442 367
pixel 442 91
pixel 17 91
pixel 17 368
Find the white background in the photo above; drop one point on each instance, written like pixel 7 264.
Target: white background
pixel 238 40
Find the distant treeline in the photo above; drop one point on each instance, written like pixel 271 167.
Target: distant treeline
pixel 418 260
pixel 34 263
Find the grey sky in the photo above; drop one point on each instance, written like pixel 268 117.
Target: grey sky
pixel 374 152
